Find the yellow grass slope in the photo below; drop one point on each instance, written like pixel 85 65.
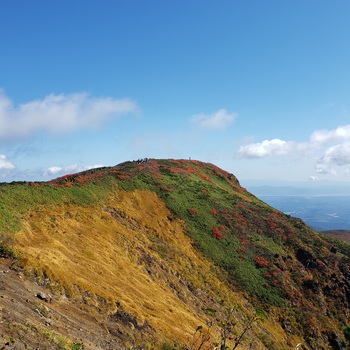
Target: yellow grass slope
pixel 100 251
pixel 133 254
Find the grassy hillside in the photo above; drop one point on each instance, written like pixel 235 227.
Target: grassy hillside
pixel 154 250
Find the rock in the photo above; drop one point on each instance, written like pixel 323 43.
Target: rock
pixel 311 284
pixel 43 296
pixel 335 341
pixel 48 322
pixel 333 250
pixel 306 258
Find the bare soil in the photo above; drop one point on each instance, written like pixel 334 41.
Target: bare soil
pixel 31 317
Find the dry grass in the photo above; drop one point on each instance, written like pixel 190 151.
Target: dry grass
pixel 104 251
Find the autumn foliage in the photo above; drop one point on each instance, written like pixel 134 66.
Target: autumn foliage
pixel 261 261
pixel 216 233
pixel 193 211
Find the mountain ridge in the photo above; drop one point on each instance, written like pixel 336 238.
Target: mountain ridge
pixel 192 240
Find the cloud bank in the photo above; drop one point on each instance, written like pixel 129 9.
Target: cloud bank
pixel 59 114
pixel 221 119
pixel 334 145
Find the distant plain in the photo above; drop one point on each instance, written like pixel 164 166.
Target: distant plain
pixel 319 212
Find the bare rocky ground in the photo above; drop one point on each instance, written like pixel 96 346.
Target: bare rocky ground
pixel 31 317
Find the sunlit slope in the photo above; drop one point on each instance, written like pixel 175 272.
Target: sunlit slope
pixel 166 240
pixel 114 252
pixel 129 253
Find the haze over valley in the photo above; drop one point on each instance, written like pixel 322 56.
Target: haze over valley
pixel 322 206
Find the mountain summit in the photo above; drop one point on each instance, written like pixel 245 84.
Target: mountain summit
pixel 164 254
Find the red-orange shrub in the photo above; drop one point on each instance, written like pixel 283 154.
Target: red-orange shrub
pixel 216 233
pixel 166 189
pixel 261 261
pixel 193 211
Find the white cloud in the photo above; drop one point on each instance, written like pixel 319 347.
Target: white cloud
pixel 5 163
pixel 221 119
pixel 53 170
pixel 340 134
pixel 265 149
pixel 70 169
pixel 59 114
pixel 337 155
pixel 324 169
pixel 318 140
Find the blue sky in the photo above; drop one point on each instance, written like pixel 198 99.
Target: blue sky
pixel 259 88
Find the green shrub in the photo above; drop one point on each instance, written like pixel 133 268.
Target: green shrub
pixel 346 332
